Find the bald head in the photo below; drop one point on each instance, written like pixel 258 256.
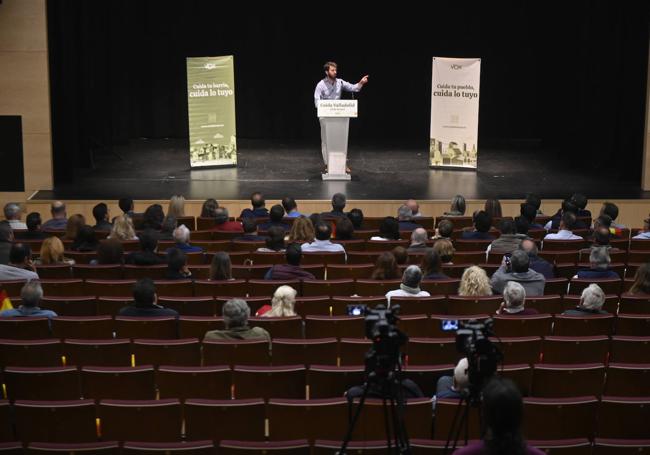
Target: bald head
pixel 413 205
pixel 418 236
pixel 58 210
pixel 528 246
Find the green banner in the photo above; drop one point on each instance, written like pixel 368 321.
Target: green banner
pixel 211 109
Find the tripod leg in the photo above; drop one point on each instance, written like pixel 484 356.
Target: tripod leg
pixel 387 426
pixel 453 425
pixel 354 420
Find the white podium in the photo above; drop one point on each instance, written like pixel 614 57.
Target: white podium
pixel 334 116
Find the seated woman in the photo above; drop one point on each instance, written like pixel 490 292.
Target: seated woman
pixel 474 282
pixel 274 242
pixel 123 229
pixel 221 267
pixel 641 283
pixel 432 266
pixel 85 240
pixel 52 253
pixel 445 250
pixel 344 229
pixel 109 252
pixel 457 207
pixel 75 222
pixel 386 267
pixel 514 297
pixel 177 265
pixel 388 229
pixel 282 304
pixel 302 231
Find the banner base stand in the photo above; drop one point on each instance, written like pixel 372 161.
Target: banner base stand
pixel 329 176
pixel 213 166
pixel 453 168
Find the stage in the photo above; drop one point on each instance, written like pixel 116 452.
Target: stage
pixel 157 169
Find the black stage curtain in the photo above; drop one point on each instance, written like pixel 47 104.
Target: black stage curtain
pixel 570 77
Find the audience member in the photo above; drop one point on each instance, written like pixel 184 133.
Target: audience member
pixel 414 206
pixel 249 225
pixel 482 225
pixel 356 216
pixel 291 270
pixel 474 282
pixel 388 229
pixel 34 232
pixel 645 233
pixel 405 219
pixel 75 222
pixel 145 302
pixel 30 298
pixel 20 265
pixel 457 206
pixel 85 241
pixel 508 241
pixel 59 219
pixel 599 261
pixel 517 269
pixel 401 255
pixel 123 229
pixel 182 239
pixel 274 241
pixel 493 208
pixel 592 300
pixel 580 201
pixel 444 230
pixel 445 250
pixel 12 215
pixel 6 241
pixel 610 209
pixel 258 209
pixel 147 255
pixel 537 263
pixel 453 386
pixel 514 298
pixel 109 252
pixel 282 304
pixel 529 212
pixel 126 206
pixel 410 286
pixel 152 218
pixel 222 221
pixel 52 253
pixel 167 228
pixel 177 265
pixel 290 207
pixel 208 208
pixel 641 285
pixel 432 266
pixel 235 319
pixel 100 213
pixel 338 205
pixel 302 231
pixel 276 214
pixel 565 231
pixel 386 267
pixel 176 206
pixel 418 241
pixel 322 242
pixel 221 267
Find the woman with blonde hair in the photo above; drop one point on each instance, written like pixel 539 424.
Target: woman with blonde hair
pixel 282 304
pixel 176 206
pixel 75 222
pixel 123 229
pixel 445 250
pixel 52 252
pixel 474 282
pixel 302 231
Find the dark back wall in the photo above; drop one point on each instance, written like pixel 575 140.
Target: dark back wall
pixel 572 78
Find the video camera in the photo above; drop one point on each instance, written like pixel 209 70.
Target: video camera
pixel 472 340
pixel 384 356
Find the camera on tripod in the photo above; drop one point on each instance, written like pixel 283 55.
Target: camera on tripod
pixel 381 327
pixel 472 339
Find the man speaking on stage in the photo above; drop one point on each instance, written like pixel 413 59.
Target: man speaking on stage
pixel 330 88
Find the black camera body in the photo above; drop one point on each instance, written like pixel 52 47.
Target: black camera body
pixel 384 357
pixel 472 340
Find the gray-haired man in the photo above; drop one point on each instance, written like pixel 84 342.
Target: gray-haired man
pixel 235 318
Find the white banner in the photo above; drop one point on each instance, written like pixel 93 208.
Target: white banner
pixel 454 112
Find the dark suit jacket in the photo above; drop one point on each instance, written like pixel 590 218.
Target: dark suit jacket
pixel 144 258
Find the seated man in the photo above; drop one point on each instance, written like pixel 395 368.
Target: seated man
pixel 405 219
pixel 20 266
pixel 290 207
pixel 338 205
pixel 592 300
pixel 59 219
pixel 33 221
pixel 453 386
pixel 537 263
pixel 177 265
pixel 514 297
pixel 610 209
pixel 182 238
pixel 444 230
pixel 250 231
pixel 599 261
pixel 508 241
pixel 567 207
pixel 147 254
pixel 410 286
pixel 12 215
pixel 482 225
pixel 418 241
pixel 235 318
pixel 529 212
pixel 291 270
pixel 322 242
pixel 222 221
pixel 415 208
pixel 30 297
pixel 145 301
pixel 258 209
pixel 100 213
pixel 565 232
pixel 6 241
pixel 518 270
pixel 276 214
pixel 356 216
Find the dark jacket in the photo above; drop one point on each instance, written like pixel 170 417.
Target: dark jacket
pixel 148 311
pixel 250 238
pixel 255 213
pixel 476 235
pixel 30 235
pixel 597 273
pixel 287 272
pixel 408 226
pixel 436 276
pixel 270 224
pixel 542 266
pixel 5 248
pixel 144 258
pixel 581 311
pixel 103 226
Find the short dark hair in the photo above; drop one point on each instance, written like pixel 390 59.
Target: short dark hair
pixel 389 228
pixel 445 228
pixel 344 229
pixel 176 259
pixel 257 200
pixel 327 65
pixel 601 236
pixel 19 252
pixel 6 233
pixel 604 220
pixel 528 211
pixel 569 206
pixel 276 213
pixel 482 221
pixel 249 224
pixel 323 231
pixel 293 254
pixel 580 200
pixel 100 211
pixel 569 220
pixel 338 201
pixel 144 292
pixel 521 225
pixel 148 240
pixel 356 216
pixel 289 203
pixel 534 200
pixel 520 261
pixel 507 226
pixel 275 239
pixel 110 251
pixel 33 221
pixel 610 209
pixel 126 204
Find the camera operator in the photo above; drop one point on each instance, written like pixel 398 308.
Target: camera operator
pixel 502 409
pixel 453 386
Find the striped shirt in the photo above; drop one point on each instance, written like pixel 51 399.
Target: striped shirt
pixel 327 90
